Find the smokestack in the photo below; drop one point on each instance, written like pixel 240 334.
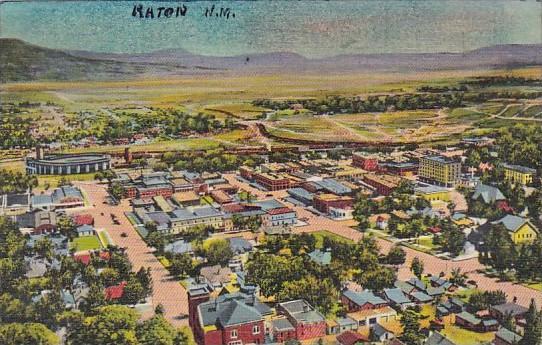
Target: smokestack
pixel 40 152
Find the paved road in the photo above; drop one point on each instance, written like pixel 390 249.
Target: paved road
pixel 432 264
pixel 166 291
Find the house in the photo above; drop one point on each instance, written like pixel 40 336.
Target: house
pixel 216 276
pixel 350 338
pixel 396 297
pixel 437 281
pixel 235 318
pixel 85 230
pixel 307 321
pixel 420 297
pixel 518 174
pixel 115 292
pixel 438 339
pixel 473 323
pixel 500 311
pixel 321 257
pixel 341 325
pixel 240 245
pixel 417 284
pixel 370 317
pixel 435 291
pixel 521 229
pixel 506 337
pixel 380 333
pixel 355 301
pixel 282 330
pixel 492 196
pixel 453 305
pixel 37 221
pixel 179 247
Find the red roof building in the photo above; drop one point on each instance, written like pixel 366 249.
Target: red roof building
pixel 350 338
pixel 83 219
pixel 115 292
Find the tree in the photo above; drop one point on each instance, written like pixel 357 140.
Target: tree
pixel 145 279
pixel 377 279
pixel 532 334
pixel 410 321
pixel 133 291
pixel 501 248
pixel 217 251
pixel 27 334
pixel 65 226
pixel 181 264
pixel 320 293
pixel 117 191
pixel 452 240
pixel 94 299
pixel 457 277
pixel 396 256
pixel 110 325
pixel 157 331
pixel 416 266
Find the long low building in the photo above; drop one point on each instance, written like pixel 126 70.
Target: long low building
pixel 68 164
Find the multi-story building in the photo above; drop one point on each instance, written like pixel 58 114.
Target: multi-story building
pixel 184 218
pixel 307 322
pixel 518 174
pixel 439 170
pixel 383 184
pixel 369 163
pixel 231 319
pixel 283 216
pixel 324 202
pixel 272 182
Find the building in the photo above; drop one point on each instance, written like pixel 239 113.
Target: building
pixel 272 182
pixel 365 162
pixel 383 184
pixel 231 319
pixel 518 174
pixel 282 216
pixel 282 330
pixel 473 323
pixel 183 219
pixel 521 229
pixel 370 317
pixel 439 170
pixel 308 322
pixel 350 338
pixel 501 311
pixel 401 169
pixel 356 301
pixel 61 198
pixel 438 339
pixel 14 204
pixel 381 334
pixel 188 198
pixel 396 297
pixel 67 164
pixel 324 202
pixel 506 337
pixel 433 193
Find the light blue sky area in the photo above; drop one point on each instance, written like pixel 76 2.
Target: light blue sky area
pixel 311 28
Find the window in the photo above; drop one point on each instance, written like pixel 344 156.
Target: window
pixel 235 342
pixel 256 329
pixel 233 333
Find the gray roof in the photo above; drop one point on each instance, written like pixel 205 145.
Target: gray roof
pixel 512 308
pixel 84 228
pixel 282 324
pixel 511 223
pixel 301 311
pixel 178 247
pixel 435 291
pixel 228 310
pixel 520 168
pixel 508 335
pixel 345 321
pixel 379 330
pixel 429 189
pixel 194 213
pixel 421 296
pixel 17 200
pixel 489 194
pixel 361 298
pixel 240 245
pixel 333 186
pixel 417 283
pixel 269 204
pixel 301 193
pixel 396 295
pixel 438 339
pixel 470 318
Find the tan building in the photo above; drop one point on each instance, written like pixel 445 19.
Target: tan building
pixel 439 170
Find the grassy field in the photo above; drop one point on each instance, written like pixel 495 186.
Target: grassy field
pixel 104 238
pixel 85 243
pixel 320 235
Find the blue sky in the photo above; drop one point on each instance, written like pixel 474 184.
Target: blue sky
pixel 311 28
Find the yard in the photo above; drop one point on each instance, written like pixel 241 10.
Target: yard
pixel 85 243
pixel 319 236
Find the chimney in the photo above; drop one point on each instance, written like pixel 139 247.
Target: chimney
pixel 127 155
pixel 305 307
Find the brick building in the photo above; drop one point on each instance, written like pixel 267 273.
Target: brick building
pixel 308 322
pixel 369 163
pixel 324 202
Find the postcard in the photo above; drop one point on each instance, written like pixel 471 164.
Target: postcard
pixel 271 172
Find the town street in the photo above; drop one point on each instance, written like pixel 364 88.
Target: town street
pixel 432 264
pixel 166 290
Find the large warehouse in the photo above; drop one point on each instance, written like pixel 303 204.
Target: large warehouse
pixel 67 164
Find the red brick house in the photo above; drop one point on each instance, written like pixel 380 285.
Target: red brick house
pixel 307 321
pixel 229 319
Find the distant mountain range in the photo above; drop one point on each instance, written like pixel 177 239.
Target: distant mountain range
pixel 21 61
